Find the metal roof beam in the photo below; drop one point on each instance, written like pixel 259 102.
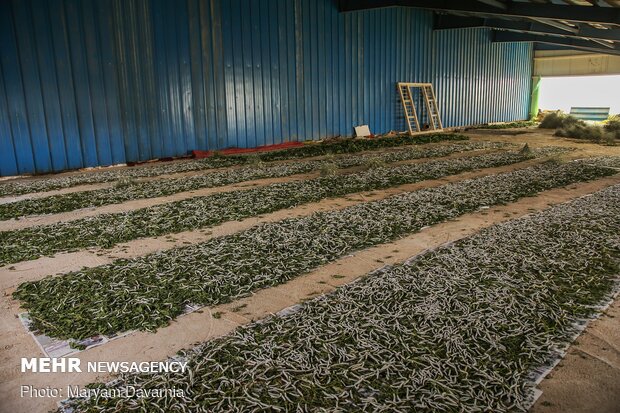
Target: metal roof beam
pixel 494 3
pixel 503 37
pixel 446 22
pixel 557 25
pixel 604 43
pixel 584 14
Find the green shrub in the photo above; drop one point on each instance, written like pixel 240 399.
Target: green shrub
pixel 581 131
pixel 612 129
pixel 551 121
pixel 610 138
pixel 571 127
pixel 612 125
pixel 556 120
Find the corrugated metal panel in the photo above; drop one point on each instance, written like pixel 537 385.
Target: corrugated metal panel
pixel 477 81
pixel 86 83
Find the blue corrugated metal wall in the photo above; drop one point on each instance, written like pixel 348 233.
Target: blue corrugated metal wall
pixel 480 81
pixel 87 83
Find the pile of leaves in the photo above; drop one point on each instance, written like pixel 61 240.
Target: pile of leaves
pixel 570 127
pixel 107 230
pixel 329 147
pixel 462 328
pixel 558 120
pixel 612 126
pixel 147 292
pixel 351 145
pixel 592 133
pixel 132 190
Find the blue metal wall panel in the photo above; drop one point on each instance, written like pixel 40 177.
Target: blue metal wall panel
pixel 479 81
pixel 14 94
pixel 8 164
pixel 86 83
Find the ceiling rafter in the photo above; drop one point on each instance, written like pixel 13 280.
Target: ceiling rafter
pixel 505 36
pixel 445 22
pixel 584 24
pixel 494 3
pixel 557 25
pixel 584 14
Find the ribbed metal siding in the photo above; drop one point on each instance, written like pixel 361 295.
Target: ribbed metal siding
pixel 477 81
pixel 87 83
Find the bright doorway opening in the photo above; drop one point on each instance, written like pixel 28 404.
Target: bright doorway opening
pixel 562 93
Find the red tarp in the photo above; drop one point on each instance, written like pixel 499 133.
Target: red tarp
pixel 205 154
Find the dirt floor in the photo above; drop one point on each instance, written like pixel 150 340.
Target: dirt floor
pixel 587 380
pixel 543 137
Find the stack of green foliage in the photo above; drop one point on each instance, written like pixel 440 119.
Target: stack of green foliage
pixel 510 125
pixel 612 126
pixel 558 120
pixel 570 127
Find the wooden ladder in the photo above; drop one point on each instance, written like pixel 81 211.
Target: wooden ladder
pixel 431 107
pixel 411 115
pixel 406 98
